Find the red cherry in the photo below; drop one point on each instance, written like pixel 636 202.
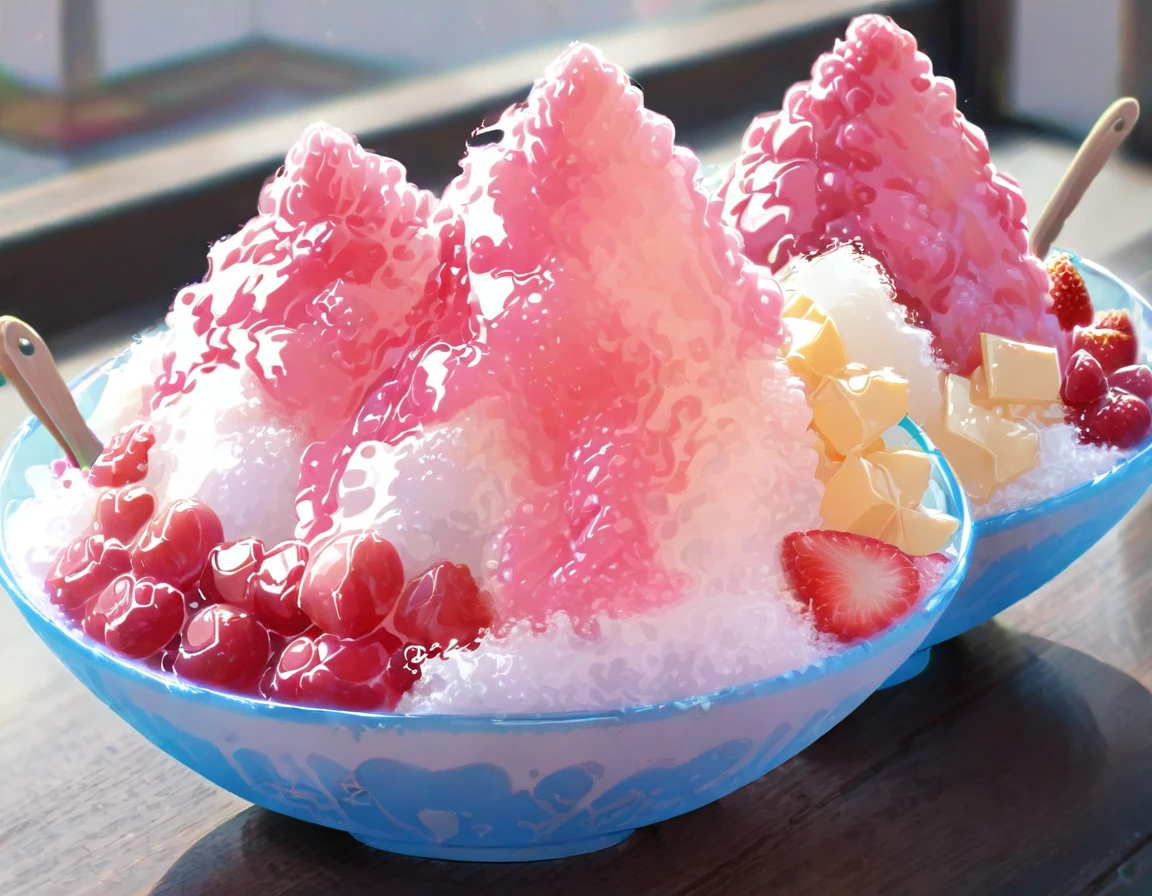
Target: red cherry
pixel 1084 380
pixel 122 514
pixel 1119 419
pixel 345 673
pixel 275 589
pixel 229 570
pixel 442 608
pixel 175 546
pixel 83 569
pixel 1135 380
pixel 136 618
pixel 124 460
pixel 351 584
pixel 223 646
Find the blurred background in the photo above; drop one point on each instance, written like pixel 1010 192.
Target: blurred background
pixel 135 132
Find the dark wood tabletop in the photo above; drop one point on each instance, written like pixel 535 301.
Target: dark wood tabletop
pixel 1020 762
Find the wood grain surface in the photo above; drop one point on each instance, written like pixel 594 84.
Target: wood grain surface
pixel 1019 763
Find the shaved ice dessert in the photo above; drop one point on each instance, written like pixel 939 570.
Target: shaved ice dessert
pixel 870 193
pixel 533 445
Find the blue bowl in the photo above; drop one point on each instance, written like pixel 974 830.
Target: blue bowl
pixel 1016 553
pixel 516 787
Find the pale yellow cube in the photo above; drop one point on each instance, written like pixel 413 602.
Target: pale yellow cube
pixel 855 408
pixel 1019 373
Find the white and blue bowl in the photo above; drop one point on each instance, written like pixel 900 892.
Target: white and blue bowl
pixel 1019 552
pixel 479 788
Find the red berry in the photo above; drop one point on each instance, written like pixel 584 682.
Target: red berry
pixel 175 546
pixel 1136 380
pixel 1118 419
pixel 1084 380
pixel 442 608
pixel 229 570
pixel 124 460
pixel 134 617
pixel 1114 320
pixel 83 569
pixel 1070 301
pixel 351 584
pixel 121 514
pixel 365 673
pixel 223 646
pixel 1112 348
pixel 855 586
pixel 275 589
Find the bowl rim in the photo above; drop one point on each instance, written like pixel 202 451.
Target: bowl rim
pixel 930 610
pixel 993 525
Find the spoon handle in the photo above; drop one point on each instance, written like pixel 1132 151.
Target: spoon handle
pixel 1106 135
pixel 27 362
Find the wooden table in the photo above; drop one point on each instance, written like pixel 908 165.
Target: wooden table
pixel 1019 763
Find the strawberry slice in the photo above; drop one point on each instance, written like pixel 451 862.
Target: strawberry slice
pixel 855 586
pixel 1070 301
pixel 1112 348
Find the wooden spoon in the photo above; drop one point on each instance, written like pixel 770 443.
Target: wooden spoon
pixel 26 361
pixel 1106 135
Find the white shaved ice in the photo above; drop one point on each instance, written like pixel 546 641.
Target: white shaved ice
pixel 858 296
pixel 694 647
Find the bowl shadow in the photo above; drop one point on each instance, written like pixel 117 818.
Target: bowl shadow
pixel 1013 764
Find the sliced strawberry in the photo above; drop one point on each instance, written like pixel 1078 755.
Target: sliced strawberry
pixel 856 586
pixel 1070 301
pixel 1084 380
pixel 1136 380
pixel 1119 419
pixel 1112 348
pixel 1114 320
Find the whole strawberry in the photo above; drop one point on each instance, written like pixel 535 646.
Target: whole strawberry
pixel 1070 301
pixel 1114 349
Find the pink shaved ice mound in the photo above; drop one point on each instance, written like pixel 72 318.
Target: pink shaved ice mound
pixel 873 150
pixel 614 399
pixel 314 294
